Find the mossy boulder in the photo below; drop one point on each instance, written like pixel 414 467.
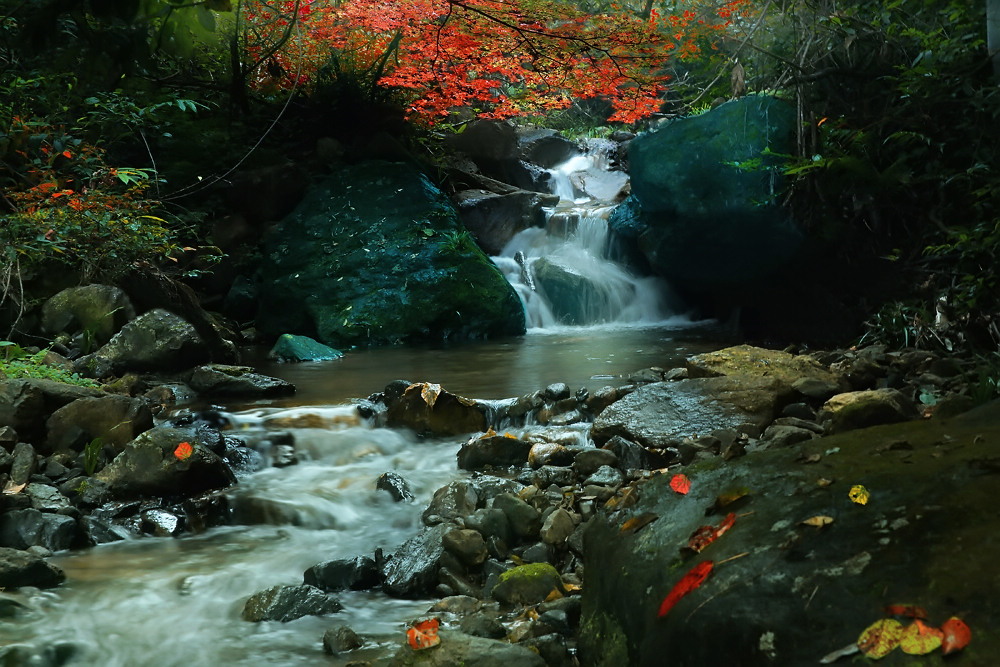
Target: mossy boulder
pixel 376 254
pixel 784 591
pixel 528 584
pixel 290 347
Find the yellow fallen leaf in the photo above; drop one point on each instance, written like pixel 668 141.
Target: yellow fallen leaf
pixel 918 638
pixel 429 393
pixel 819 521
pixel 859 494
pixel 880 638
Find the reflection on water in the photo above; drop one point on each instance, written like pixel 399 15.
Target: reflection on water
pixel 177 602
pixel 591 357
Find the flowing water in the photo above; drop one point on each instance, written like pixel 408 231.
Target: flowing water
pixel 177 601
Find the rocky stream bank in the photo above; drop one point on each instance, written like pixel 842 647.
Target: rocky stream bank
pixel 561 541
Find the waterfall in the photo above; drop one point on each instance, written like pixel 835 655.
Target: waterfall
pixel 561 271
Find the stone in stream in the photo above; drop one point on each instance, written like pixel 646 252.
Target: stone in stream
pixel 357 574
pixel 290 347
pixel 465 544
pixel 528 584
pixel 25 528
pixel 523 518
pixel 287 603
pixel 493 450
pixel 412 571
pixel 20 568
pixel 395 486
pixel 341 639
pixel 224 380
pixel 427 408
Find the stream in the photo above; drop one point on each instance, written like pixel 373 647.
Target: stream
pixel 177 601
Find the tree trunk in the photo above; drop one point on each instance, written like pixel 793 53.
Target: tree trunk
pixel 993 35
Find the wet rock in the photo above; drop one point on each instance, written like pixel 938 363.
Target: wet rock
pixel 588 461
pixel 545 147
pixel 523 518
pixel 393 266
pixel 23 464
pixel 635 457
pixel 85 491
pixel 780 435
pixel 494 450
pixel 605 476
pixel 859 409
pixel 452 501
pixel 116 420
pixel 546 476
pixel 899 547
pixel 25 404
pixel 552 648
pixel 662 414
pixel 161 523
pixel 149 466
pixel 457 648
pixel 527 584
pixel 287 603
pixel 395 486
pixel 483 624
pixel 817 389
pixel 465 544
pixel 490 522
pixel 290 347
pixel 572 295
pixel 19 568
pixel 494 218
pixel 801 410
pixel 454 583
pixel 747 360
pixel 97 312
pixel 341 639
pixel 357 574
pixel 427 408
pixel 412 570
pixel 20 529
pixel 101 531
pixel 224 380
pixel 8 437
pixel 45 498
pixel 155 341
pixel 557 527
pixel 548 453
pixel 205 511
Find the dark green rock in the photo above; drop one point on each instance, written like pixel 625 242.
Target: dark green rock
pixel 287 603
pixel 528 584
pixel 376 254
pixel 290 347
pixel 704 206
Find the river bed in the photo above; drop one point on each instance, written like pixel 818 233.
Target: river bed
pixel 177 601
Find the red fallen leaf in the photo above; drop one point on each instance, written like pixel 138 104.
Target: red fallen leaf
pixel 705 535
pixel 423 634
pixel 690 581
pixel 680 483
pixel 907 610
pixel 957 635
pixel 183 451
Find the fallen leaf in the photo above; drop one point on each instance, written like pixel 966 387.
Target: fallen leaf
pixel 730 497
pixel 635 523
pixel 705 535
pixel 957 635
pixel 859 494
pixel 12 489
pixel 907 610
pixel 554 594
pixel 429 392
pixel 819 521
pixel 423 634
pixel 918 638
pixel 690 581
pixel 680 483
pixel 812 458
pixel 824 482
pixel 490 433
pixel 880 638
pixel 628 497
pixel 834 656
pixel 183 451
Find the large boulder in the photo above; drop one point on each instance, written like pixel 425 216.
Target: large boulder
pixel 225 380
pixel 30 527
pixel 494 218
pixel 26 403
pixel 428 409
pixel 376 254
pixel 412 571
pixel 20 568
pixel 662 414
pixel 155 341
pixel 704 207
pixel 804 569
pixel 155 464
pixel 97 312
pixel 116 420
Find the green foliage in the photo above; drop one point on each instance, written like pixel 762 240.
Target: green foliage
pixel 15 362
pixel 91 453
pixel 987 384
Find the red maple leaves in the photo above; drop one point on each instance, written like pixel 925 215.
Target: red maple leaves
pixel 502 58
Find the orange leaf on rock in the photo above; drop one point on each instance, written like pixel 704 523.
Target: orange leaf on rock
pixel 423 634
pixel 957 635
pixel 680 483
pixel 907 610
pixel 183 451
pixel 918 638
pixel 690 581
pixel 880 638
pixel 705 535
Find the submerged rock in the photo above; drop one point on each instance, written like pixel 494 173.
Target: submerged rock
pixel 290 347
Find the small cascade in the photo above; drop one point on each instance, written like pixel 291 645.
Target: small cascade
pixel 561 271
